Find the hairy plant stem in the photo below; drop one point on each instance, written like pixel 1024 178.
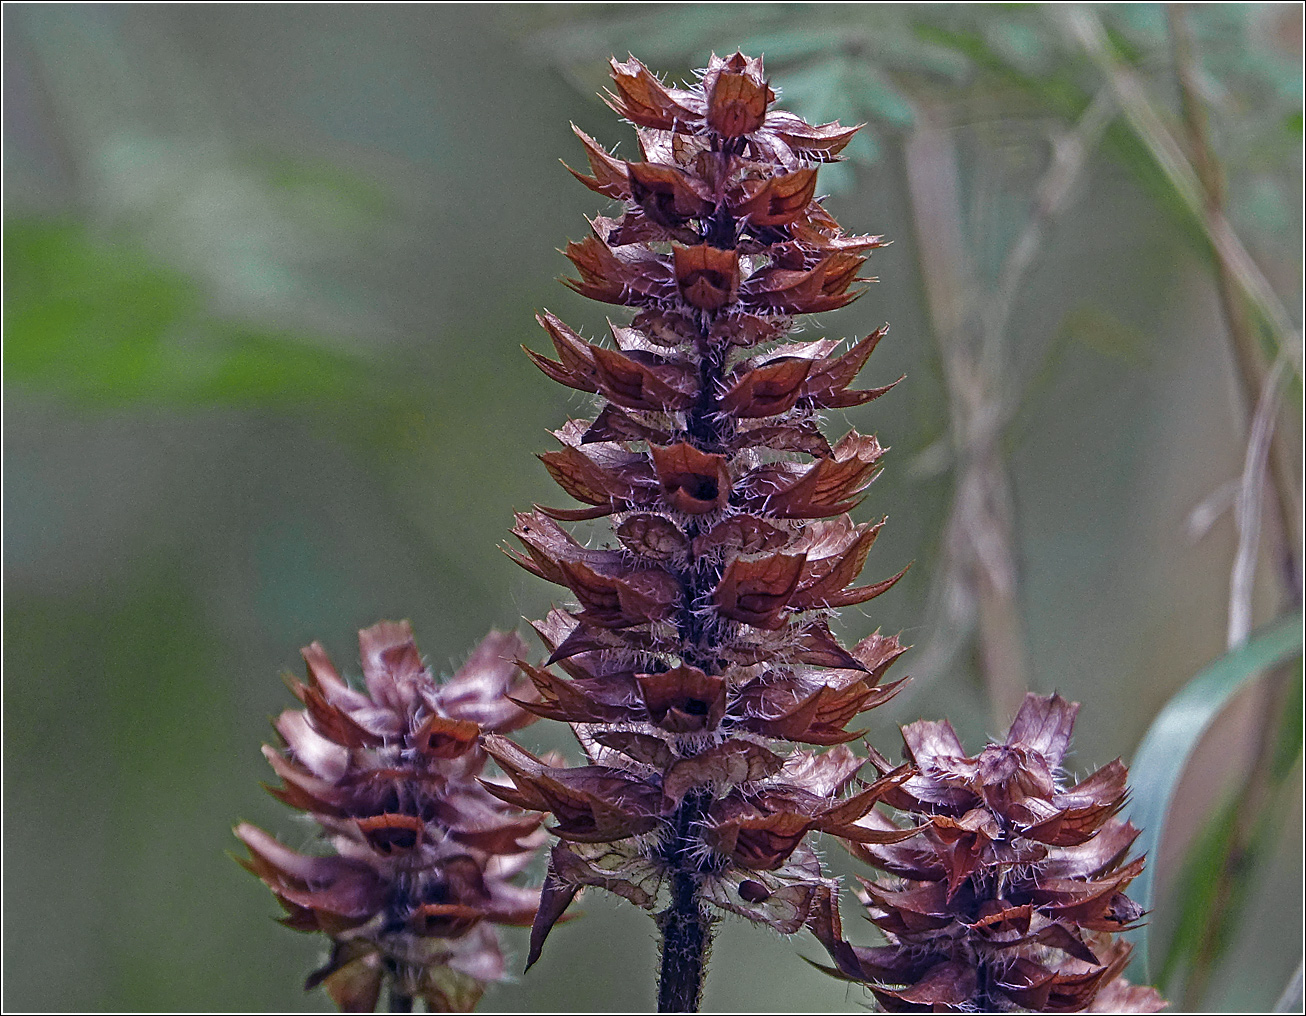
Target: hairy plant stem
pixel 686 930
pixel 686 927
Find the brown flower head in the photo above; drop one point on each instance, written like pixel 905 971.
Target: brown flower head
pixel 1012 896
pixel 698 655
pixel 423 858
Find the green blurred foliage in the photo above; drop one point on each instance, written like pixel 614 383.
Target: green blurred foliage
pixel 267 270
pixel 106 324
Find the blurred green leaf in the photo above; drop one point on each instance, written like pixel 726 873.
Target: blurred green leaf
pixel 1213 891
pixel 1261 205
pixel 879 98
pixel 1197 887
pixel 1019 43
pixel 1145 23
pixel 851 92
pixel 1122 143
pixel 1126 49
pixel 1101 331
pixel 359 192
pixel 323 196
pixel 1287 748
pixel 100 322
pixel 791 43
pixel 1058 90
pixel 815 91
pixel 1064 89
pixel 1163 754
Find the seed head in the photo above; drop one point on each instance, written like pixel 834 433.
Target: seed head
pixel 420 858
pixel 1012 895
pixel 697 655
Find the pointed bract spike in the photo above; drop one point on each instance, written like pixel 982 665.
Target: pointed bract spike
pixel 610 174
pixel 834 374
pixel 822 142
pixel 768 390
pixel 576 514
pixel 927 740
pixel 555 898
pixel 644 100
pixel 860 594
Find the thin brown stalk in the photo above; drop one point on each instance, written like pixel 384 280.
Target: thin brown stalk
pixel 1085 26
pixel 978 535
pixel 1245 293
pixel 1247 508
pixel 1252 369
pixel 980 579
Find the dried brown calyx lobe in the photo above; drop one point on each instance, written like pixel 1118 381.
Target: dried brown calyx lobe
pixel 422 860
pixel 1012 897
pixel 698 654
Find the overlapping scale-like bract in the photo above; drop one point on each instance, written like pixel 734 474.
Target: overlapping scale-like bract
pixel 697 664
pixel 1012 896
pixel 424 859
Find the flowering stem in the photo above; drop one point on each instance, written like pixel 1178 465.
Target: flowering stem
pixel 686 931
pixel 699 454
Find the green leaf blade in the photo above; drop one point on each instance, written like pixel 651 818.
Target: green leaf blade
pixel 1163 754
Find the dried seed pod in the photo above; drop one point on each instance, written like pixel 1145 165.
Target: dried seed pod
pixel 425 858
pixel 1012 896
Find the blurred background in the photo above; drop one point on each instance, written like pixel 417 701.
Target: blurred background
pixel 267 269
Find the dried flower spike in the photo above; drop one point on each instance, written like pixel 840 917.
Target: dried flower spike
pixel 424 857
pixel 1011 899
pixel 700 643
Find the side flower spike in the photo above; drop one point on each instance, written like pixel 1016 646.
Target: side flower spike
pixel 424 859
pixel 1012 897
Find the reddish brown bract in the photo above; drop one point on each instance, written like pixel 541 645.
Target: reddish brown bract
pixel 1011 897
pixel 425 857
pixel 700 637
